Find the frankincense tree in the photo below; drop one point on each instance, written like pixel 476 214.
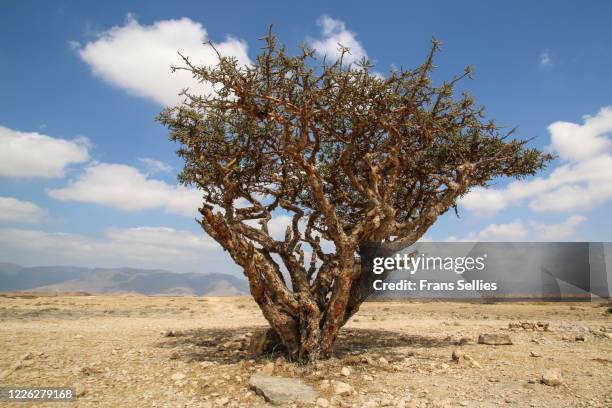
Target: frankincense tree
pixel 357 160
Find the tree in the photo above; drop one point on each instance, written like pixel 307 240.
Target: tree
pixel 359 162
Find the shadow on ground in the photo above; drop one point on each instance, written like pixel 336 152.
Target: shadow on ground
pixel 228 346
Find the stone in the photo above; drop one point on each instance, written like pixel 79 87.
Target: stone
pixel 552 377
pixel 465 340
pixel 383 360
pixel 457 355
pixel 346 372
pixel 473 362
pixel 178 376
pixel 282 390
pixel 535 354
pixel 79 390
pixel 581 337
pixel 268 368
pixel 342 388
pixel 221 401
pixel 322 402
pixel 494 339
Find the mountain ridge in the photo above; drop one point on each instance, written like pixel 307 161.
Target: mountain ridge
pixel 100 280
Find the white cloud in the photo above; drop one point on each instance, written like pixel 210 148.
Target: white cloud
pixel 545 59
pixel 277 226
pixel 145 247
pixel 155 166
pixel 484 201
pixel 556 232
pixel 518 230
pixel 13 210
pixel 334 32
pixel 138 58
pixel 576 142
pixel 126 188
pixel 514 231
pixel 582 181
pixel 31 154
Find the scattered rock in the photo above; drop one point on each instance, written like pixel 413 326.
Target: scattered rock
pixel 221 401
pixel 581 337
pixel 494 339
pixel 458 356
pixel 383 360
pixel 177 376
pixel 463 341
pixel 268 368
pixel 322 402
pixel 79 390
pixel 535 354
pixel 473 362
pixel 20 363
pixel 342 388
pixel 533 326
pixel 346 372
pixel 552 377
pixel 90 371
pixel 282 390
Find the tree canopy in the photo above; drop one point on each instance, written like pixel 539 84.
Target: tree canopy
pixel 353 157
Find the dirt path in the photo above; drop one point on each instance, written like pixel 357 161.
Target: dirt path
pixel 133 351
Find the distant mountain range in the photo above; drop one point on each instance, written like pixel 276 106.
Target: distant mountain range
pixel 14 277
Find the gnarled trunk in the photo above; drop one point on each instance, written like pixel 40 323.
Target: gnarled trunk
pixel 309 333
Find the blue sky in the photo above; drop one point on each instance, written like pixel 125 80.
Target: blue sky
pixel 88 177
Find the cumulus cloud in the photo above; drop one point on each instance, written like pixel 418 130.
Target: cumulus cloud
pixel 138 57
pixel 126 188
pixel 31 154
pixel 333 34
pixel 545 59
pixel 518 230
pixel 583 179
pixel 514 231
pixel 560 231
pixel 13 210
pixel 145 247
pixel 576 142
pixel 155 166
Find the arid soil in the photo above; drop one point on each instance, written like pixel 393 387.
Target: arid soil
pixel 136 351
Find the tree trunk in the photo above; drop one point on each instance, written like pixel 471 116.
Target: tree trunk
pixel 309 332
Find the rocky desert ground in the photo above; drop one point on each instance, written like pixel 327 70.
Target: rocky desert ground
pixel 137 351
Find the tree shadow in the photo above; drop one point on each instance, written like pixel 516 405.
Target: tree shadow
pixel 228 346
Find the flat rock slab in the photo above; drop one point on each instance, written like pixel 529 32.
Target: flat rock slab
pixel 495 339
pixel 282 390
